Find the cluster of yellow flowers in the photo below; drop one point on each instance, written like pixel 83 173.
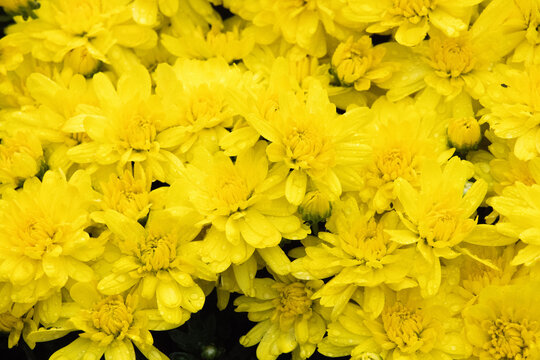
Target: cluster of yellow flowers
pixel 364 173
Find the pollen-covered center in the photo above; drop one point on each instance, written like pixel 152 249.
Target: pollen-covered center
pixel 294 299
pixel 140 133
pixel 157 252
pixel 307 148
pixel 403 326
pixel 352 59
pixel 509 340
pixel 112 317
pixel 394 163
pixel 451 57
pixel 412 10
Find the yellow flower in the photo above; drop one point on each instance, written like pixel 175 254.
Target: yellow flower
pixel 464 133
pixel 159 260
pixel 358 63
pixel 109 325
pixel 518 207
pixel 21 157
pixel 356 253
pixel 43 241
pixel 81 61
pixel 288 320
pixel 513 105
pixel 315 207
pixel 399 154
pixel 504 324
pixel 195 92
pixel 414 18
pixel 94 25
pixel 438 217
pixel 125 126
pixel 409 327
pixel 243 203
pixel 307 136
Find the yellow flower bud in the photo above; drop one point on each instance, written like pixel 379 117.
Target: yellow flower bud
pixel 81 61
pixel 315 207
pixel 464 133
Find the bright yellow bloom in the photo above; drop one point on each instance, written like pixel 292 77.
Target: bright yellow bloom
pixel 438 216
pixel 244 205
pixel 21 157
pixel 504 324
pixel 109 325
pixel 414 18
pixel 94 25
pixel 43 241
pixel 125 126
pixel 358 63
pixel 315 207
pixel 464 133
pixel 308 137
pixel 356 253
pixel 399 154
pixel 288 320
pixel 518 205
pixel 159 260
pixel 408 328
pixel 513 108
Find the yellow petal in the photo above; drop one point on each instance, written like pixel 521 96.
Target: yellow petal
pixel 295 187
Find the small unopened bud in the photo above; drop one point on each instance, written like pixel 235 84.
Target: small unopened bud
pixel 315 207
pixel 81 61
pixel 20 7
pixel 464 133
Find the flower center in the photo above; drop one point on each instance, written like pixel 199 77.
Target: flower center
pixel 157 253
pixel 112 317
pixel 412 10
pixel 403 326
pixel 140 133
pixel 394 163
pixel 37 238
pixel 439 225
pixel 125 194
pixel 367 243
pixel 307 148
pixel 509 340
pixel 205 108
pixel 294 299
pixel 451 57
pixel 228 189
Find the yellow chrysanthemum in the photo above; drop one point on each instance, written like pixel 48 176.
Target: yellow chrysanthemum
pixel 399 154
pixel 356 253
pixel 518 205
pixel 159 260
pixel 308 137
pixel 109 325
pixel 93 25
pixel 43 241
pixel 288 320
pixel 505 323
pixel 125 127
pixel 357 63
pixel 513 105
pixel 244 204
pixel 414 18
pixel 408 328
pixel 21 157
pixel 438 216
